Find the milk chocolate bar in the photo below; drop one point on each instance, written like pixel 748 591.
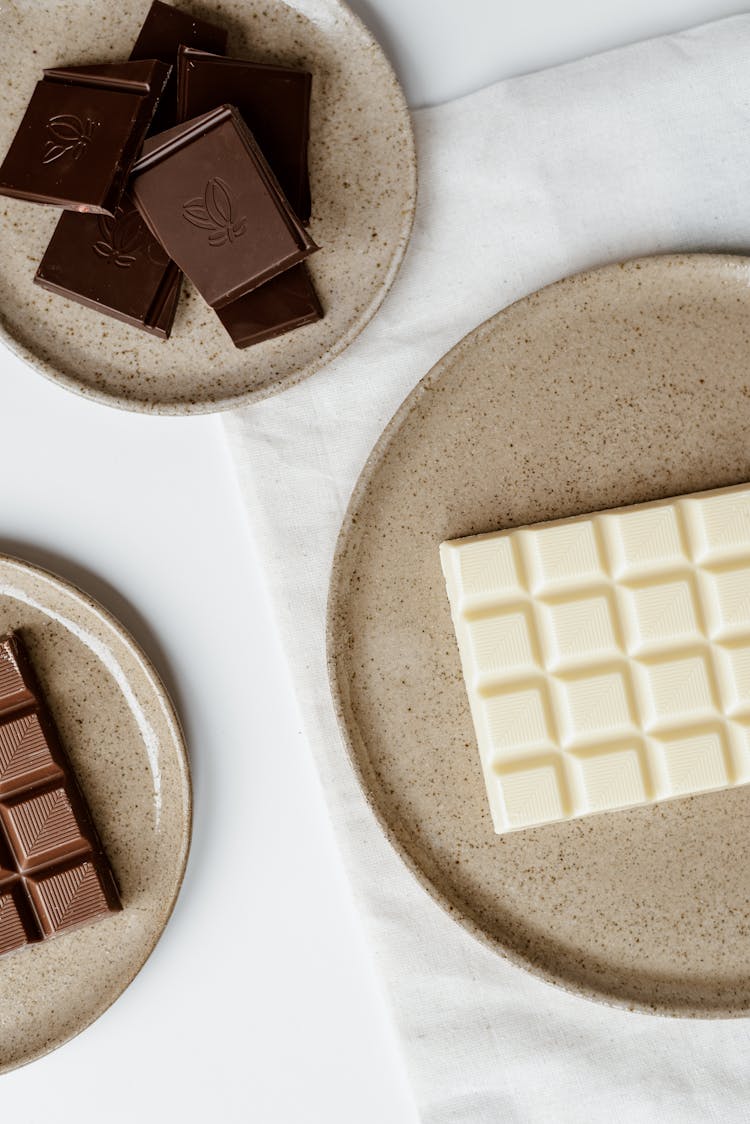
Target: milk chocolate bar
pixel 115 266
pixel 81 132
pixel 165 29
pixel 273 101
pixel 607 656
pixel 210 198
pixel 54 875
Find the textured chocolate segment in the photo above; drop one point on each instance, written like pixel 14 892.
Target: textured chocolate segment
pixel 69 896
pixel 164 31
pixel 42 829
pixel 8 872
pixel 17 923
pixel 14 688
pixel 53 871
pixel 25 755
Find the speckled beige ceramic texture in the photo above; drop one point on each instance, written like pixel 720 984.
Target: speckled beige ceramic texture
pixel 124 741
pixel 618 386
pixel 363 176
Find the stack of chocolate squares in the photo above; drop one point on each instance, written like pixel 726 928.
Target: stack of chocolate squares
pixel 178 161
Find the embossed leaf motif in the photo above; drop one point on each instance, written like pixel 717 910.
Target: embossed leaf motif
pixel 122 237
pixel 68 133
pixel 219 202
pixel 214 212
pixel 67 128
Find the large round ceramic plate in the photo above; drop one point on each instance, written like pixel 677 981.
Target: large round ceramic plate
pixel 124 741
pixel 363 177
pixel 617 386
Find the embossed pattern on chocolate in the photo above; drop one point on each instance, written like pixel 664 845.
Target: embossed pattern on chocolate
pixel 607 656
pixel 80 134
pixel 53 872
pixel 197 186
pixel 115 265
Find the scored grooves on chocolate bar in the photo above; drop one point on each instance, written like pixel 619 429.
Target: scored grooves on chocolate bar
pixel 54 874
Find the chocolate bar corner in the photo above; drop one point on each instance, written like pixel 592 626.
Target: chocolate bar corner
pixel 54 874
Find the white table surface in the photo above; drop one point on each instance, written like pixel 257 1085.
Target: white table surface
pixel 261 1003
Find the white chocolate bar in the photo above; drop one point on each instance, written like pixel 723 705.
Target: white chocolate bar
pixel 607 656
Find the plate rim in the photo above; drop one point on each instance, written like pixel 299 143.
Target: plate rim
pixel 157 407
pixel 186 785
pixel 338 683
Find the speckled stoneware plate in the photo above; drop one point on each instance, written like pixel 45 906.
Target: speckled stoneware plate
pixel 626 384
pixel 363 174
pixel 126 747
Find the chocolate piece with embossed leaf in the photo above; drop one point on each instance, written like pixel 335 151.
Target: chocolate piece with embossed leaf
pixel 274 102
pixel 164 31
pixel 115 266
pixel 54 874
pixel 81 132
pixel 211 199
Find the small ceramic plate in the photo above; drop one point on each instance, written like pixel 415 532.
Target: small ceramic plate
pixel 363 175
pixel 123 738
pixel 626 384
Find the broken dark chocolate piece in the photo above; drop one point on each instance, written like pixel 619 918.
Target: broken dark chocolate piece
pixel 286 302
pixel 115 266
pixel 54 874
pixel 80 134
pixel 274 102
pixel 210 198
pixel 165 29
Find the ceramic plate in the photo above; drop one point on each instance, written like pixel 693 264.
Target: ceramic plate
pixel 363 176
pixel 627 384
pixel 124 741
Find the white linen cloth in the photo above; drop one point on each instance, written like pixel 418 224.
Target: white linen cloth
pixel 637 151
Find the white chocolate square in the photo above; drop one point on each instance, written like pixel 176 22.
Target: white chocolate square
pixel 576 629
pixel 502 641
pixel 661 611
pixel 561 555
pixel 642 539
pixel 607 656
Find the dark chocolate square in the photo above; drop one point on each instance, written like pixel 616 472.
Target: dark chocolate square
pixel 115 266
pixel 209 196
pixel 80 134
pixel 274 102
pixel 288 301
pixel 164 30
